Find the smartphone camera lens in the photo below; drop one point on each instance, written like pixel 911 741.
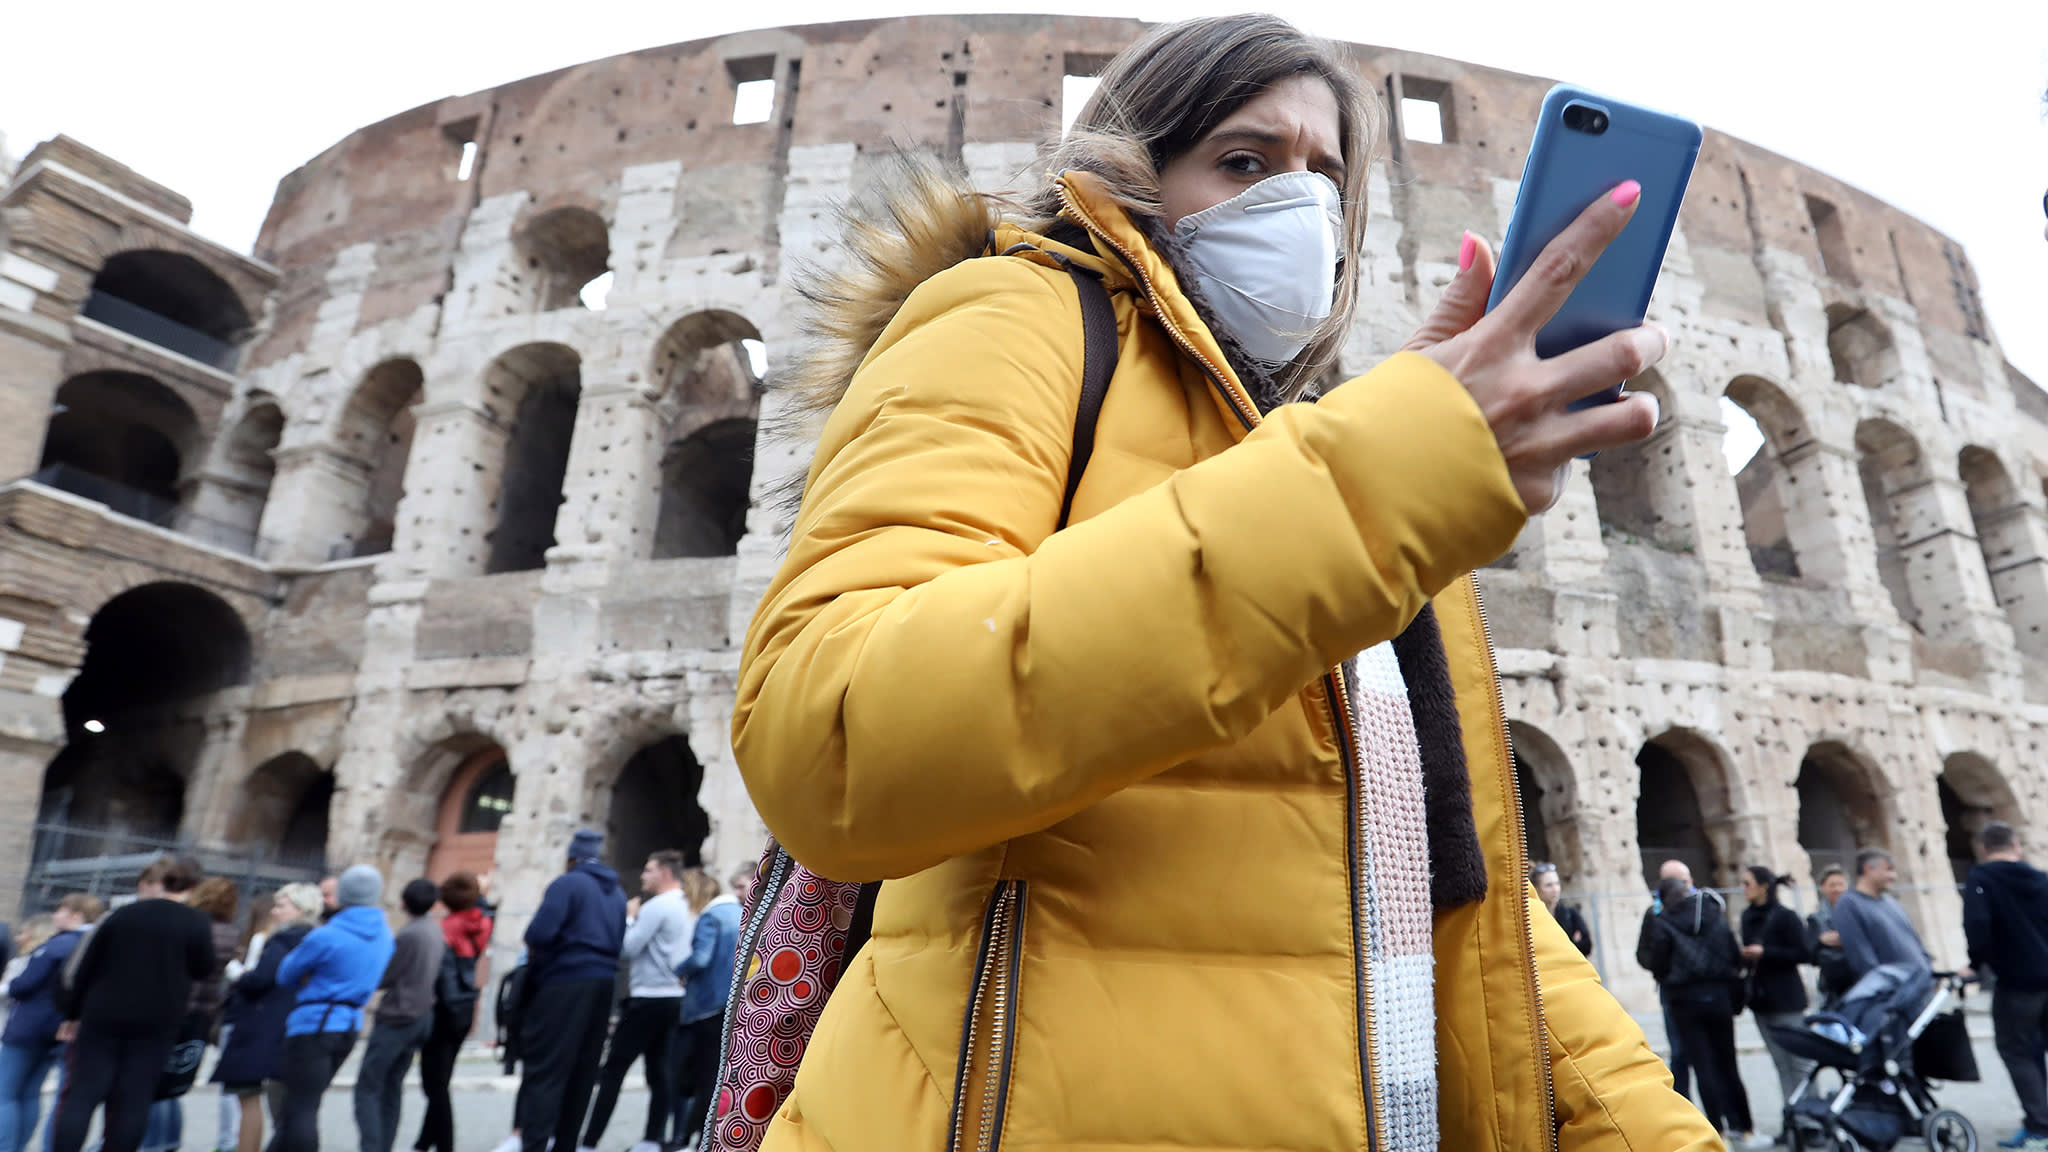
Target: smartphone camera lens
pixel 1585 118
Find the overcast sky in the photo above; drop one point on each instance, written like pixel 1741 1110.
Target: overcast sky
pixel 1938 112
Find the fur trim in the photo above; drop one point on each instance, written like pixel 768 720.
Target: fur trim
pixel 1457 872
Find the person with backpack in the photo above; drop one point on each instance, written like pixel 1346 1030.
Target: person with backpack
pixel 573 944
pixel 465 968
pixel 1774 946
pixel 405 1014
pixel 1693 954
pixel 1242 702
pixel 251 1064
pixel 657 940
pixel 336 970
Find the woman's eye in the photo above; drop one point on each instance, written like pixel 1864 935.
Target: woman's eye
pixel 1243 163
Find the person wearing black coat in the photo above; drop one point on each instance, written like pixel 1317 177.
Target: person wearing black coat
pixel 1550 890
pixel 1689 948
pixel 251 1064
pixel 1774 946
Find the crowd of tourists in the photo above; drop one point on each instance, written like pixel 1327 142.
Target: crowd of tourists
pixel 1709 971
pixel 124 1006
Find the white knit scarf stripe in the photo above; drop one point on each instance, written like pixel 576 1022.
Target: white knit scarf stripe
pixel 1399 961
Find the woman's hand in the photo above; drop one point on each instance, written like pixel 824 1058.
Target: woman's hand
pixel 1524 397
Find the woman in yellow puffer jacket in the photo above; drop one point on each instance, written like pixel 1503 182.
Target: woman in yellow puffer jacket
pixel 1196 815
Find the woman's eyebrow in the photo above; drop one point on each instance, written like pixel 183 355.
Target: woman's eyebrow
pixel 1270 139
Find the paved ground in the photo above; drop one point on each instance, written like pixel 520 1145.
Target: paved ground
pixel 483 1099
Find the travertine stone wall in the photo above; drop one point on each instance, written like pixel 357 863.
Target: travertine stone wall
pixel 1653 617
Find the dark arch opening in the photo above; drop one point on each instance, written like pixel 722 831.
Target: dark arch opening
pixel 376 437
pixel 234 518
pixel 1892 469
pixel 1639 490
pixel 467 805
pixel 1860 347
pixel 132 733
pixel 121 439
pixel 1973 793
pixel 706 489
pixel 173 301
pixel 560 252
pixel 1544 783
pixel 1842 808
pixel 1762 485
pixel 285 808
pixel 1683 807
pixel 540 385
pixel 654 807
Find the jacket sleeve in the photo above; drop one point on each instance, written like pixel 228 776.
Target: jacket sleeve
pixel 1977 927
pixel 43 966
pixel 703 943
pixel 1646 938
pixel 1612 1091
pixel 550 918
pixel 300 962
pixel 1783 940
pixel 80 971
pixel 263 976
pixel 934 670
pixel 642 931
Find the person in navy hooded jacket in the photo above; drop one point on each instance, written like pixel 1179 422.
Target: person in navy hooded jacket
pixel 30 1045
pixel 336 969
pixel 572 945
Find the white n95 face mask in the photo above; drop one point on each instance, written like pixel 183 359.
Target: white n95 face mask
pixel 1266 259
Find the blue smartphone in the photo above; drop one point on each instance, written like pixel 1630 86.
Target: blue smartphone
pixel 1585 145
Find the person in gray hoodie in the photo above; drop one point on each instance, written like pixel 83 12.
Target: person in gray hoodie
pixel 657 939
pixel 405 1014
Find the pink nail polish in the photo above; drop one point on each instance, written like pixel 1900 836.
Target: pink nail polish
pixel 1468 250
pixel 1625 193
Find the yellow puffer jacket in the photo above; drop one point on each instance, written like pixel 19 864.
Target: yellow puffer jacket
pixel 1098 768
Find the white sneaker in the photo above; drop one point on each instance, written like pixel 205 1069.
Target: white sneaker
pixel 1757 1140
pixel 647 1146
pixel 585 1148
pixel 511 1144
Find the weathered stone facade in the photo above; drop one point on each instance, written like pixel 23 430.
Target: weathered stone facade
pixel 463 520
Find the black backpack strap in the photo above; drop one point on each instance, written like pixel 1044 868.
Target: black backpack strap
pixel 1098 363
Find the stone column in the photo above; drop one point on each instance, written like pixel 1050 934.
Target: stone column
pixel 1829 526
pixel 445 523
pixel 2015 544
pixel 31 735
pixel 369 770
pixel 316 506
pixel 1949 584
pixel 1695 436
pixel 612 490
pixel 219 774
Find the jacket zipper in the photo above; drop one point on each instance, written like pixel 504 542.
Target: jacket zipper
pixel 985 1037
pixel 1247 412
pixel 1354 806
pixel 1539 1034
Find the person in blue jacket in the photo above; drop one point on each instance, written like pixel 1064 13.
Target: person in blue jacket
pixel 29 1045
pixel 573 944
pixel 335 969
pixel 707 981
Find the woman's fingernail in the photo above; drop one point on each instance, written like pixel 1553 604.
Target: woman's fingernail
pixel 1468 251
pixel 1625 193
pixel 1656 410
pixel 1652 341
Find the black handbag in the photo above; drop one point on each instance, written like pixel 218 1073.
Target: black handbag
pixel 182 1066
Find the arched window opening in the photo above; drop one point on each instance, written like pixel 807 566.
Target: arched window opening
pixel 654 807
pixel 1763 425
pixel 1640 489
pixel 711 367
pixel 560 254
pixel 489 799
pixel 1895 481
pixel 539 384
pixel 172 301
pixel 1550 820
pixel 468 786
pixel 121 439
pixel 284 808
pixel 1860 347
pixel 1683 809
pixel 134 714
pixel 233 507
pixel 1973 793
pixel 376 437
pixel 706 483
pixel 1843 808
pixel 2009 556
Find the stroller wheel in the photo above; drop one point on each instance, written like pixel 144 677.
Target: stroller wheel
pixel 1949 1131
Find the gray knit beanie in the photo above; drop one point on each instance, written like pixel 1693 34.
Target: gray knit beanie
pixel 359 885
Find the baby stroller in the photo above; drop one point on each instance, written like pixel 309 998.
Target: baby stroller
pixel 1886 1042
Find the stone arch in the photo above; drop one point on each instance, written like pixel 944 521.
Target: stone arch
pixel 1860 347
pixel 533 388
pixel 134 715
pixel 239 492
pixel 1774 515
pixel 1684 807
pixel 284 807
pixel 1973 792
pixel 173 301
pixel 375 439
pixel 1895 480
pixel 1549 794
pixel 650 803
pixel 122 439
pixel 1845 805
pixel 458 793
pixel 2015 566
pixel 1640 489
pixel 559 252
pixel 709 367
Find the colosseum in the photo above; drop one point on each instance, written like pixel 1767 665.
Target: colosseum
pixel 425 533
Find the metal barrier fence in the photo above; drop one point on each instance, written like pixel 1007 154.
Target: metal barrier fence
pixel 104 862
